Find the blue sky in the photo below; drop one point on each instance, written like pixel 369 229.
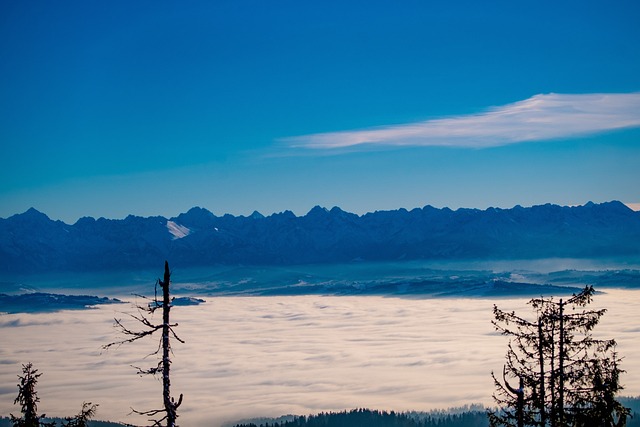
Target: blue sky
pixel 150 108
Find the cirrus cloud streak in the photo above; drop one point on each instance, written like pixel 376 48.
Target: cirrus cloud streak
pixel 541 117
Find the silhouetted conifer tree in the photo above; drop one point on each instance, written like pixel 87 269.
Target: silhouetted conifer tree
pixel 170 405
pixel 28 399
pixel 82 419
pixel 566 376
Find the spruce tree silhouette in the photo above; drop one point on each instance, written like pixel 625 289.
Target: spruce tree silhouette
pixel 566 376
pixel 28 399
pixel 82 419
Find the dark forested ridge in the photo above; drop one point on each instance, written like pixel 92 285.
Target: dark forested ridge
pixel 6 422
pixel 31 242
pixel 359 418
pixel 373 418
pixel 47 302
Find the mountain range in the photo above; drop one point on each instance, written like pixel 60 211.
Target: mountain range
pixel 31 242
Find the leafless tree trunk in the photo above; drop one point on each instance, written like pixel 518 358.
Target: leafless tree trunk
pixel 561 359
pixel 541 399
pixel 170 405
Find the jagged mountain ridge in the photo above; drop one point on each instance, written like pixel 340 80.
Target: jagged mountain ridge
pixel 31 242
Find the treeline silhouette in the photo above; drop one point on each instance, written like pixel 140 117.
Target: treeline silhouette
pixel 6 422
pixel 374 418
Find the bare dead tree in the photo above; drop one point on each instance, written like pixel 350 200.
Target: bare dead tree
pixel 144 316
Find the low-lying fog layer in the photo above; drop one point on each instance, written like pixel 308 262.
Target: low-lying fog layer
pixel 268 356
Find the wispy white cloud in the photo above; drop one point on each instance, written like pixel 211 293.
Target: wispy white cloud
pixel 541 117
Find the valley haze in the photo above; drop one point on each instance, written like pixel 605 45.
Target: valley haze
pixel 256 356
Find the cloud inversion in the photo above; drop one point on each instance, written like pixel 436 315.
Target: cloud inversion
pixel 269 356
pixel 541 117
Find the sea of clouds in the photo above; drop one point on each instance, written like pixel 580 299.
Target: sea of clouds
pixel 268 356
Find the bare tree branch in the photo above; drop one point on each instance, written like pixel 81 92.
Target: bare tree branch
pixel 143 317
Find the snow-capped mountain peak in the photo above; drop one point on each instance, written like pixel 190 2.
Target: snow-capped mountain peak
pixel 31 242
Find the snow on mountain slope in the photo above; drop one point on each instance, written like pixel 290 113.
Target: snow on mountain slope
pixel 177 231
pixel 31 242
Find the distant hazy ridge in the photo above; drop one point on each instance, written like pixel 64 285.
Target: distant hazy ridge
pixel 31 242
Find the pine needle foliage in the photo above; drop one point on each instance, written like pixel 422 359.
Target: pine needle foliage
pixel 28 399
pixel 566 376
